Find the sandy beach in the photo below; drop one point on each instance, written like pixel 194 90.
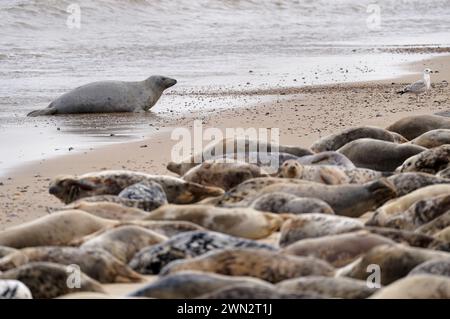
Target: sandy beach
pixel 302 114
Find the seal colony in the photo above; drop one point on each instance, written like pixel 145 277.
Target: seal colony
pixel 229 228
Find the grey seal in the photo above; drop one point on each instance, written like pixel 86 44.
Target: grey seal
pixel 190 284
pixel 379 155
pixel 414 126
pixel 271 266
pixel 49 280
pixel 151 260
pixel 109 96
pixel 337 140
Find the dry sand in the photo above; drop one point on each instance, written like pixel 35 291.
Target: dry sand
pixel 303 114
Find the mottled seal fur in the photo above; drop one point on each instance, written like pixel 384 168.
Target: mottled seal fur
pixel 253 291
pixel 328 287
pixel 378 155
pixel 401 204
pixel 347 200
pixel 414 126
pixel 241 222
pixel 269 161
pixel 243 149
pixel 445 173
pixel 436 225
pixel 430 161
pixel 314 225
pixel 433 267
pixel 419 213
pixel 260 263
pixel 328 174
pixel 433 138
pixel 70 188
pixel 14 289
pixel 223 173
pixel 96 263
pixel 56 229
pixel 286 203
pixel 395 262
pixel 190 284
pixel 49 280
pixel 152 259
pixel 406 183
pixel 335 141
pixel 338 250
pixel 416 287
pixel 250 188
pixel 123 242
pixel 109 96
pixel 410 238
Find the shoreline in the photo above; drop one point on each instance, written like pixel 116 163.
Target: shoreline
pixel 303 114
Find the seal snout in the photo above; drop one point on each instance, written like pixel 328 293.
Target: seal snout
pixel 170 82
pixel 53 190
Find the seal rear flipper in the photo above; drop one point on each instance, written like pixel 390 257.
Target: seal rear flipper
pixel 47 111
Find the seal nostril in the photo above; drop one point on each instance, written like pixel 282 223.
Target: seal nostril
pixel 53 190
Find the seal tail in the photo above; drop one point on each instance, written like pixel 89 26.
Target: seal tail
pixel 402 91
pixel 47 111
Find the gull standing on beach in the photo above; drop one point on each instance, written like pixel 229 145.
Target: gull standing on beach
pixel 420 86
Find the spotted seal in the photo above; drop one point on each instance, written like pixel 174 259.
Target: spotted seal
pixel 433 138
pixel 338 250
pixel 254 291
pixel 395 262
pixel 406 183
pixel 399 205
pixel 433 267
pixel 260 263
pixel 419 213
pixel 96 263
pixel 241 222
pixel 436 225
pixel 314 225
pixel 286 203
pixel 190 284
pixel 350 200
pixel 225 174
pixel 123 242
pixel 70 188
pixel 49 280
pixel 327 174
pixel 328 287
pixel 152 259
pixel 430 161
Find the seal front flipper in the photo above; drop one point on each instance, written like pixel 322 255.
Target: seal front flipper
pixel 47 111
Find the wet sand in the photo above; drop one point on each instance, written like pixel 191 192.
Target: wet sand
pixel 302 114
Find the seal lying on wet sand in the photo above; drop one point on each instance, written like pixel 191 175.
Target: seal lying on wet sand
pixel 109 96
